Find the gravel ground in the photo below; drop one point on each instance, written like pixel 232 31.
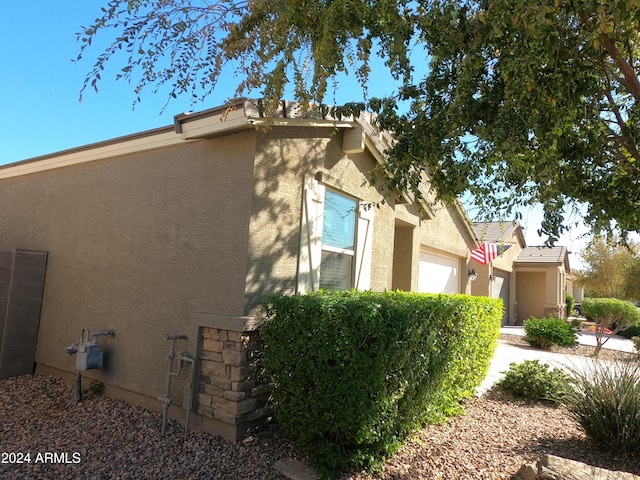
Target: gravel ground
pixel 103 438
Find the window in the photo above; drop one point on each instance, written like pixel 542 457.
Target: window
pixel 338 241
pixel 335 241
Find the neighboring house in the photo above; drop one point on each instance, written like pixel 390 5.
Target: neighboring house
pixel 530 280
pixel 182 230
pixel 541 275
pixel 574 290
pixel 497 279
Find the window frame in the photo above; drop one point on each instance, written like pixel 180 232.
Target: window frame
pixel 311 229
pixel 350 252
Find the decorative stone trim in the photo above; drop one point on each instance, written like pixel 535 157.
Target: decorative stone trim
pixel 230 388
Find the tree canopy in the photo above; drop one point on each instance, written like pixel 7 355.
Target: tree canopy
pixel 610 269
pixel 508 102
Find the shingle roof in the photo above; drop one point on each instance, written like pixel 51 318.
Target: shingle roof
pixel 496 231
pixel 542 254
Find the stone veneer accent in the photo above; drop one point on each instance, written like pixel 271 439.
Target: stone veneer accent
pixel 555 310
pixel 230 387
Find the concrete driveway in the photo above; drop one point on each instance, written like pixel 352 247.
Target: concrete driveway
pixel 507 354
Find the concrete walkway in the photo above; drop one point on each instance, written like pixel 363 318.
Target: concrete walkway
pixel 507 354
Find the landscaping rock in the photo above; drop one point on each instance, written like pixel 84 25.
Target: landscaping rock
pixel 550 467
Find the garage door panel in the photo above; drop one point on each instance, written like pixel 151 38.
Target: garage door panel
pixel 500 289
pixel 438 273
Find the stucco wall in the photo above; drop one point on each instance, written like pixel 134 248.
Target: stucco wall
pixel 284 158
pixel 135 244
pixel 446 232
pixel 531 294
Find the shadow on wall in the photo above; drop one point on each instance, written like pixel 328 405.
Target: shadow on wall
pixel 22 274
pixel 284 160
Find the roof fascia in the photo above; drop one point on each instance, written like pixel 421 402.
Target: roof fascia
pixel 520 235
pixel 467 221
pixel 242 114
pixel 151 139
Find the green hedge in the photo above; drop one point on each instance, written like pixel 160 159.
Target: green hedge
pixel 354 373
pixel 570 301
pixel 611 312
pixel 544 333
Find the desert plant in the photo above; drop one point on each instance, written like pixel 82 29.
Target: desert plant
pixel 533 380
pixel 576 324
pixel 546 332
pixel 96 387
pixel 604 398
pixel 609 314
pixel 636 344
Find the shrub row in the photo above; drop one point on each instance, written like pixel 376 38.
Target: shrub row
pixel 603 397
pixel 354 373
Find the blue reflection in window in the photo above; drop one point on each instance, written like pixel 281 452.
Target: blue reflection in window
pixel 339 222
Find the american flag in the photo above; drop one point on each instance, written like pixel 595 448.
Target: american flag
pixel 486 253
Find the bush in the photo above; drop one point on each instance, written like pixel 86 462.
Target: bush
pixel 605 400
pixel 534 381
pixel 630 332
pixel 569 301
pixel 544 333
pixel 612 314
pixel 353 373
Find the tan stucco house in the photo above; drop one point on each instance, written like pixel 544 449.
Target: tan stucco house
pixel 181 230
pixel 530 280
pixel 498 279
pixel 541 275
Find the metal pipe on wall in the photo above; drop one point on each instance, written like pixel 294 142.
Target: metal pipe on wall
pixel 182 357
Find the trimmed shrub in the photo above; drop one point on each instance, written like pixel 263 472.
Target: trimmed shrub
pixel 533 381
pixel 353 373
pixel 609 314
pixel 544 333
pixel 605 400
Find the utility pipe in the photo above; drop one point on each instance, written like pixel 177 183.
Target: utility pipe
pixel 185 357
pixel 166 400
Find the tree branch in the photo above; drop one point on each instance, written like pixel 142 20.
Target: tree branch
pixel 631 79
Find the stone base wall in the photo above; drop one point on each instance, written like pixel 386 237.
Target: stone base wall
pixel 555 310
pixel 230 387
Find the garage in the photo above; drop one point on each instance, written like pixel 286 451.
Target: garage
pixel 500 289
pixel 438 273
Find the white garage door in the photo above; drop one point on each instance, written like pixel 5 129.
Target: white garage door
pixel 438 273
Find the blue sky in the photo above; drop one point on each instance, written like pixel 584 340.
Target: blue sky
pixel 40 86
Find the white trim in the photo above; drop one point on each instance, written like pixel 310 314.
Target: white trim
pixel 364 248
pixel 342 251
pixel 311 222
